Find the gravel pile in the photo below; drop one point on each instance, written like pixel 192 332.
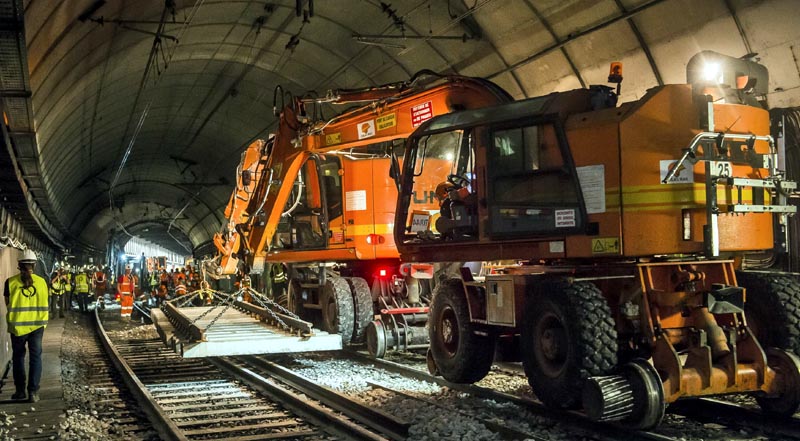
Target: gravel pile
pixel 80 426
pixel 351 378
pixel 6 425
pixel 428 422
pixel 143 332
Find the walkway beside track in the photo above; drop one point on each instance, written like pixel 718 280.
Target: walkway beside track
pixel 37 421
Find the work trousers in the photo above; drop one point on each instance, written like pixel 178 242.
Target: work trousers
pixel 126 304
pixel 58 305
pixel 83 301
pixel 34 342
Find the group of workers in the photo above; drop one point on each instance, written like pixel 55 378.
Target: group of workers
pixel 69 284
pixel 164 284
pixel 84 286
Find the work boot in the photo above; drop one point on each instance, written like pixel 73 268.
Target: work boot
pixel 19 395
pixel 34 398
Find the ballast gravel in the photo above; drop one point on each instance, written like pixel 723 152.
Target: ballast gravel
pixel 91 407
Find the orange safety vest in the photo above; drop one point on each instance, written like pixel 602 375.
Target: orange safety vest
pixel 125 285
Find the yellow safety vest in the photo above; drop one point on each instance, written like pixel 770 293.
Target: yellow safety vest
pixel 58 287
pixel 27 307
pixel 81 283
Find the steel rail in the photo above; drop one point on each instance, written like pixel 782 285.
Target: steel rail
pixel 297 403
pixel 374 418
pixel 165 427
pixel 571 418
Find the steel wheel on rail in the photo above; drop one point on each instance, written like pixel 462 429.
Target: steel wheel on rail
pixel 787 367
pixel 337 308
pixel 461 355
pixel 568 335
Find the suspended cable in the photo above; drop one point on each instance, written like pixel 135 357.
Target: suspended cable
pixel 156 48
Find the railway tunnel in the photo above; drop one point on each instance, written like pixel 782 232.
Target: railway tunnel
pixel 127 126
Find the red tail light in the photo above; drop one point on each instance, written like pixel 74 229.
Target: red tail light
pixel 375 239
pixel 383 272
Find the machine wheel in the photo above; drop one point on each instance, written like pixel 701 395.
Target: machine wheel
pixel 376 339
pixel 648 395
pixel 294 298
pixel 773 308
pixel 568 335
pixel 461 355
pixel 787 366
pixel 364 311
pixel 337 308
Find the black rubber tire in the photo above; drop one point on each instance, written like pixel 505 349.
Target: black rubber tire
pixel 773 308
pixel 568 335
pixel 337 308
pixel 364 310
pixel 294 299
pixel 461 355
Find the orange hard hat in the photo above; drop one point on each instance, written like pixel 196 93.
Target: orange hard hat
pixel 442 190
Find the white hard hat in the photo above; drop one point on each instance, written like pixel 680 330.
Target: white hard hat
pixel 127 267
pixel 28 256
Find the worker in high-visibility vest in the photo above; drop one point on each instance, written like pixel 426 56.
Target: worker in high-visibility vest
pixel 99 284
pixel 26 297
pixel 126 286
pixel 82 290
pixel 69 280
pixel 180 282
pixel 58 299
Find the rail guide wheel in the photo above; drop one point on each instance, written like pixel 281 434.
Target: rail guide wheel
pixel 376 339
pixel 787 366
pixel 635 398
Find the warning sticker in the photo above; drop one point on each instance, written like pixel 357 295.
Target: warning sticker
pixel 333 138
pixel 366 129
pixel 386 121
pixel 356 200
pixel 565 218
pixel 557 246
pixel 685 173
pixel 593 186
pixel 421 113
pixel 605 245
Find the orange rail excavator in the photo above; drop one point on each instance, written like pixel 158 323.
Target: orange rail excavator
pixel 628 226
pixel 318 198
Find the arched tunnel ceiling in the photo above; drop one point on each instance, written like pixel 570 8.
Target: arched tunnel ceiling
pixel 209 91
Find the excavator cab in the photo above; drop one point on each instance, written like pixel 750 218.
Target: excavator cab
pixel 315 203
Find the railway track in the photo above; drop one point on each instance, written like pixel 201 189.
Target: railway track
pixel 255 397
pixel 223 399
pixel 94 382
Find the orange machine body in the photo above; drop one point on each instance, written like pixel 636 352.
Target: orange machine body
pixel 339 173
pixel 649 206
pixel 620 156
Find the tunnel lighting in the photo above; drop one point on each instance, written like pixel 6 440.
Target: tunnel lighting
pixel 712 72
pixel 122 256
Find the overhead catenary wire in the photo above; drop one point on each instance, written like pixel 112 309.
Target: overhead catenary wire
pixel 156 48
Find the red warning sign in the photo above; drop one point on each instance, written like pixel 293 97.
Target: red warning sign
pixel 421 113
